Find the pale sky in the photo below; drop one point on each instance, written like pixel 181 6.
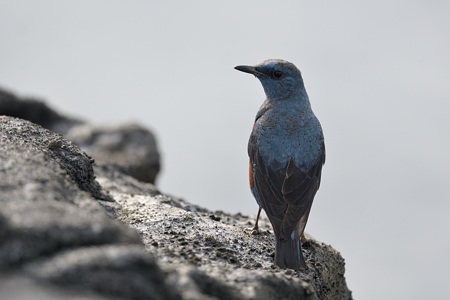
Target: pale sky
pixel 378 79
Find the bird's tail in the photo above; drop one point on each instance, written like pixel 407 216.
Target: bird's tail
pixel 288 253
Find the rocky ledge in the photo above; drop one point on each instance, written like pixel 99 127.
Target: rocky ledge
pixel 71 228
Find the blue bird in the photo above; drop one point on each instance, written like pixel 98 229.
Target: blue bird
pixel 286 151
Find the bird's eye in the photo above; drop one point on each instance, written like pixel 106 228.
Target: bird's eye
pixel 277 74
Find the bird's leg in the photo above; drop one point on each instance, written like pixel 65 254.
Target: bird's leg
pixel 255 229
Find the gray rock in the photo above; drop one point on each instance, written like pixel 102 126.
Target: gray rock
pixel 211 256
pixel 129 147
pixel 119 270
pixel 18 136
pixel 17 286
pixel 34 110
pixel 52 229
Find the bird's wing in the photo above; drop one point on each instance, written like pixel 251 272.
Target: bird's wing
pixel 298 190
pixel 286 194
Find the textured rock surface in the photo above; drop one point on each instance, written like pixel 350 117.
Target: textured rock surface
pixel 129 147
pixel 211 254
pixel 42 145
pixel 58 235
pixel 52 229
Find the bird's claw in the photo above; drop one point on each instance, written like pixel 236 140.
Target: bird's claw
pixel 303 239
pixel 253 230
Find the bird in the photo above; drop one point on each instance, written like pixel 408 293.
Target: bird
pixel 286 152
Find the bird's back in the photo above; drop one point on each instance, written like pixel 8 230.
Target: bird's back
pixel 286 151
pixel 287 130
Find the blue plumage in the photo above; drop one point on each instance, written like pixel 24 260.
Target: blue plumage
pixel 286 151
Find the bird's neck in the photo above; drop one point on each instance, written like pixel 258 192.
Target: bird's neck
pixel 298 99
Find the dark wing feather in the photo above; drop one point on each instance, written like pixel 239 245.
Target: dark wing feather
pixel 299 189
pixel 286 194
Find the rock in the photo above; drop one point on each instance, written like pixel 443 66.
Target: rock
pixel 53 230
pixel 18 136
pixel 34 110
pixel 216 258
pixel 128 271
pixel 58 235
pixel 129 147
pixel 19 287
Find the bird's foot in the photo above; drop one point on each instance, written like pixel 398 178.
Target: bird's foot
pixel 253 230
pixel 304 242
pixel 303 239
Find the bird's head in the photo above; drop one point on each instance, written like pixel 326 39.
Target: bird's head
pixel 279 78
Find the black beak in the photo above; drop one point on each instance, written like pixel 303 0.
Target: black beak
pixel 249 69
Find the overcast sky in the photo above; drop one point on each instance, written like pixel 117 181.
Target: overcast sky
pixel 378 76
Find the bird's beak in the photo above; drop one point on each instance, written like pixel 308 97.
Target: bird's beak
pixel 250 69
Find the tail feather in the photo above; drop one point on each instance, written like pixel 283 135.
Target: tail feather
pixel 288 254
